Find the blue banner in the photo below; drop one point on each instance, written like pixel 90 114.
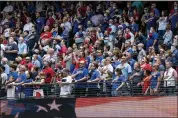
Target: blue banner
pixel 39 108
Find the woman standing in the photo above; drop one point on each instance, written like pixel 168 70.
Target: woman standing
pixel 162 21
pixel 168 36
pixel 146 82
pixel 155 80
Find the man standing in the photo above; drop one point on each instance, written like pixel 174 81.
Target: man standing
pixel 11 50
pixel 22 47
pixel 28 26
pixel 152 39
pixel 80 76
pixel 65 84
pixel 95 76
pixel 170 79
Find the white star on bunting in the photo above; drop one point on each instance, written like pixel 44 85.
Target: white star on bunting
pixel 54 106
pixel 40 108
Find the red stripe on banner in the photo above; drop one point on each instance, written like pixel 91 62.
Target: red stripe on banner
pixel 82 102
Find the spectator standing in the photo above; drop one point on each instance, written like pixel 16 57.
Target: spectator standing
pixel 95 77
pixel 22 47
pixel 146 82
pixel 135 78
pixel 4 63
pixel 40 22
pixel 155 80
pixel 11 50
pixel 173 17
pixel 80 76
pixel 28 26
pixel 168 36
pixel 118 83
pixel 152 39
pixel 170 79
pixel 163 22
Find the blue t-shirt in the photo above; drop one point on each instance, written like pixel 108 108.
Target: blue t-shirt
pixel 80 76
pixel 151 23
pixel 174 58
pixel 132 62
pixel 95 74
pixel 13 74
pixel 115 64
pixel 154 80
pixel 157 13
pixel 134 27
pixel 87 62
pixel 151 40
pixel 40 22
pixel 174 20
pixel 28 90
pixel 99 59
pixel 22 77
pixel 120 79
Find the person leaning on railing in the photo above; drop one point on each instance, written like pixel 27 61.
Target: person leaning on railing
pixel 13 75
pixel 80 76
pixel 31 87
pixel 28 90
pixel 118 83
pixel 95 76
pixel 65 84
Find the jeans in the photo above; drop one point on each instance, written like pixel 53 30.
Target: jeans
pixel 161 33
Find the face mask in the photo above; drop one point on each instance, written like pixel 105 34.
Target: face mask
pixel 175 8
pixel 115 73
pixel 110 24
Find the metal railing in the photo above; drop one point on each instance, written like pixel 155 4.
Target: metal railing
pixel 86 89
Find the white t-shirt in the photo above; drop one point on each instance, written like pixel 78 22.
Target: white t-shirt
pixel 3 47
pixel 8 8
pixel 66 86
pixel 107 68
pixel 28 27
pixel 7 32
pixel 3 77
pixel 162 23
pixel 68 26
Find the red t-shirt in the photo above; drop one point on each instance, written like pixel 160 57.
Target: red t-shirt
pixel 63 50
pixel 146 83
pixel 50 22
pixel 46 35
pixel 30 65
pixel 82 10
pixel 49 74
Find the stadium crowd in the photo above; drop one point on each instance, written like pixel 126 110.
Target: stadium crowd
pixel 102 47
